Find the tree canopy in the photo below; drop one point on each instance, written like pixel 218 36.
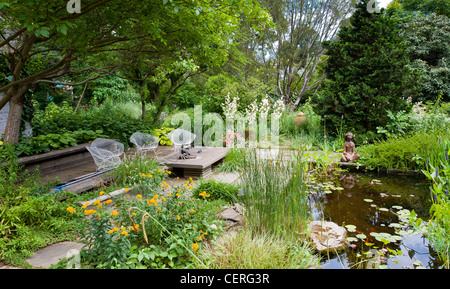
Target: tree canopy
pixel 367 73
pixel 167 36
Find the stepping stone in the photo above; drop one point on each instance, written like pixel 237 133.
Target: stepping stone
pixel 52 254
pixel 229 178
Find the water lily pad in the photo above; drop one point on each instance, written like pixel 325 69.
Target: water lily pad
pixel 395 225
pixel 397 207
pixel 368 200
pixel 352 239
pixel 338 188
pixel 361 236
pixel 351 228
pixel 383 209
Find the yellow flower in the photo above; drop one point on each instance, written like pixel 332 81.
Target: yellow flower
pixel 1 143
pixel 179 190
pixel 101 193
pixel 134 214
pixel 143 175
pixel 150 176
pixel 159 171
pixel 88 212
pixel 178 217
pixel 125 233
pixel 195 247
pixel 127 190
pixel 139 196
pixel 159 208
pixel 170 194
pixel 187 182
pixel 155 196
pixel 71 210
pixel 97 202
pixel 108 201
pixel 85 205
pixel 192 210
pixel 199 238
pixel 110 231
pixel 177 195
pixel 114 213
pixel 115 229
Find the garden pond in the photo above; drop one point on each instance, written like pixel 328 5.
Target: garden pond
pixel 370 207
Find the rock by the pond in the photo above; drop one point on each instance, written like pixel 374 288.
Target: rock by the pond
pixel 230 214
pixel 327 236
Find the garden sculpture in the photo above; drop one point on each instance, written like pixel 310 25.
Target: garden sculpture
pixel 349 149
pixel 182 138
pixel 106 153
pixel 145 142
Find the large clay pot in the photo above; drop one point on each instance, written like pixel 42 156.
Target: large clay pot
pixel 300 120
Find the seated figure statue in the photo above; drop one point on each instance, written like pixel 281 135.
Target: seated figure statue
pixel 349 149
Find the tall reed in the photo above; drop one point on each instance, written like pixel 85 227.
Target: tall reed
pixel 275 194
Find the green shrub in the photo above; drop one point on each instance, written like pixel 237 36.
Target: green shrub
pixel 161 134
pixel 113 122
pixel 216 190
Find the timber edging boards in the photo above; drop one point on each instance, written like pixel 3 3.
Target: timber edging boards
pixel 57 160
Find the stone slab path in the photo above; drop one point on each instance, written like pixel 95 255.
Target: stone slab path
pixel 52 254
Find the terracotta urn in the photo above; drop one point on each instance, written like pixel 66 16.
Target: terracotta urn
pixel 300 120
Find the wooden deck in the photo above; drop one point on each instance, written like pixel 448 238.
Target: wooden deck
pixel 199 167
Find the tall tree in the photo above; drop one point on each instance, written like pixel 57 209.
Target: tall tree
pixel 440 7
pixel 367 73
pixel 294 48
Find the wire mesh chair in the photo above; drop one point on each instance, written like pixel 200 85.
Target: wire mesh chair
pixel 145 142
pixel 183 139
pixel 106 153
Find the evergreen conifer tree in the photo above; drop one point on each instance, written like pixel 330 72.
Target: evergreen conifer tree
pixel 367 74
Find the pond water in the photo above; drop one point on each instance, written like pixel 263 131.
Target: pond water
pixel 369 205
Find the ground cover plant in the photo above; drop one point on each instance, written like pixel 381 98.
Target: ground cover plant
pixel 29 218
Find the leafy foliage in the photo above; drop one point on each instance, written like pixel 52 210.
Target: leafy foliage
pixel 367 73
pixel 427 40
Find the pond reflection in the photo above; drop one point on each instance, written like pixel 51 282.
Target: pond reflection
pixel 371 203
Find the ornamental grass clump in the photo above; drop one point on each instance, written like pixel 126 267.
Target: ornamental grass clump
pixel 275 194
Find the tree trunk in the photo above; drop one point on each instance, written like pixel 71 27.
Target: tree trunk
pixel 12 130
